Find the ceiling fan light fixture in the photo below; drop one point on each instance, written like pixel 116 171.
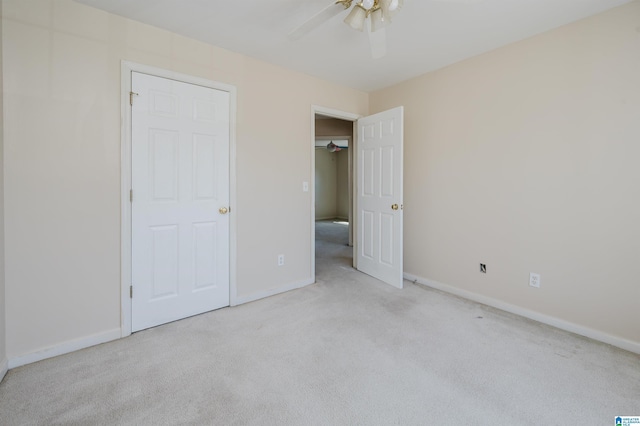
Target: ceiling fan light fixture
pixel 332 147
pixel 378 20
pixel 368 4
pixel 384 6
pixel 356 18
pixel 375 15
pixel 395 5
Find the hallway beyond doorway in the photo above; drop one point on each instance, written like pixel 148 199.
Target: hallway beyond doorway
pixel 332 245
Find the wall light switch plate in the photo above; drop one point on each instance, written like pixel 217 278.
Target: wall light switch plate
pixel 305 186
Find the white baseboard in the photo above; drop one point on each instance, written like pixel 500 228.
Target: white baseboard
pixel 619 342
pixel 65 348
pixel 4 367
pixel 272 292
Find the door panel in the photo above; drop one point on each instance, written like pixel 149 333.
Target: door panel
pixel 163 153
pixel 164 261
pixel 380 141
pixel 367 234
pixel 180 178
pixel 204 177
pixel 386 236
pixel 204 249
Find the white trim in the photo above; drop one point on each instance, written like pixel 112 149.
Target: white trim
pixel 600 336
pixel 125 153
pixel 125 205
pixel 233 225
pixel 272 292
pixel 342 115
pixel 65 348
pixel 4 367
pixel 333 113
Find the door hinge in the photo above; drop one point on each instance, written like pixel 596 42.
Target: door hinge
pixel 131 97
pixel 131 195
pixel 130 292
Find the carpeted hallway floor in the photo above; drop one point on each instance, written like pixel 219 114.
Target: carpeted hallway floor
pixel 347 350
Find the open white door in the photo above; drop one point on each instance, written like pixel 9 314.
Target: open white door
pixel 180 180
pixel 379 200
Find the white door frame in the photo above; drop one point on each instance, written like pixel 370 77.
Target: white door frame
pixel 125 178
pixel 342 115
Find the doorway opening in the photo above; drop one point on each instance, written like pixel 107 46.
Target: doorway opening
pixel 333 191
pixel 376 216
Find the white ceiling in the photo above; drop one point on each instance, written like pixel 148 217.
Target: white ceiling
pixel 425 34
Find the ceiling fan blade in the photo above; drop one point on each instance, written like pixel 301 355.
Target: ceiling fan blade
pixel 378 43
pixel 312 23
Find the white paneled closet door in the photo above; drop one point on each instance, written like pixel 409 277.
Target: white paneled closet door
pixel 180 218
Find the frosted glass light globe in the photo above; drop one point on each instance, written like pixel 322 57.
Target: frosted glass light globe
pixel 368 4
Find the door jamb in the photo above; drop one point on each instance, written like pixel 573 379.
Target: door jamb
pixel 125 179
pixel 342 115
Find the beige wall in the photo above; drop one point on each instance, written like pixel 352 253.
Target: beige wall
pixel 342 184
pixel 332 184
pixel 523 158
pixel 326 184
pixel 526 159
pixel 62 175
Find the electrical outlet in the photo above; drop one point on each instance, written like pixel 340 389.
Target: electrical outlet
pixel 280 259
pixel 483 268
pixel 534 280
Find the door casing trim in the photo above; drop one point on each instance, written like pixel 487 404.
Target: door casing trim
pixel 125 179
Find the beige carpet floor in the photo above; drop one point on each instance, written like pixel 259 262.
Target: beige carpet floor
pixel 347 350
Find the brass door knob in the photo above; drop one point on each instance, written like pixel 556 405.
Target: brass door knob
pixel 223 210
pixel 394 207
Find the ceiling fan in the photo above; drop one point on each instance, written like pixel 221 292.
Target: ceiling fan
pixel 374 15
